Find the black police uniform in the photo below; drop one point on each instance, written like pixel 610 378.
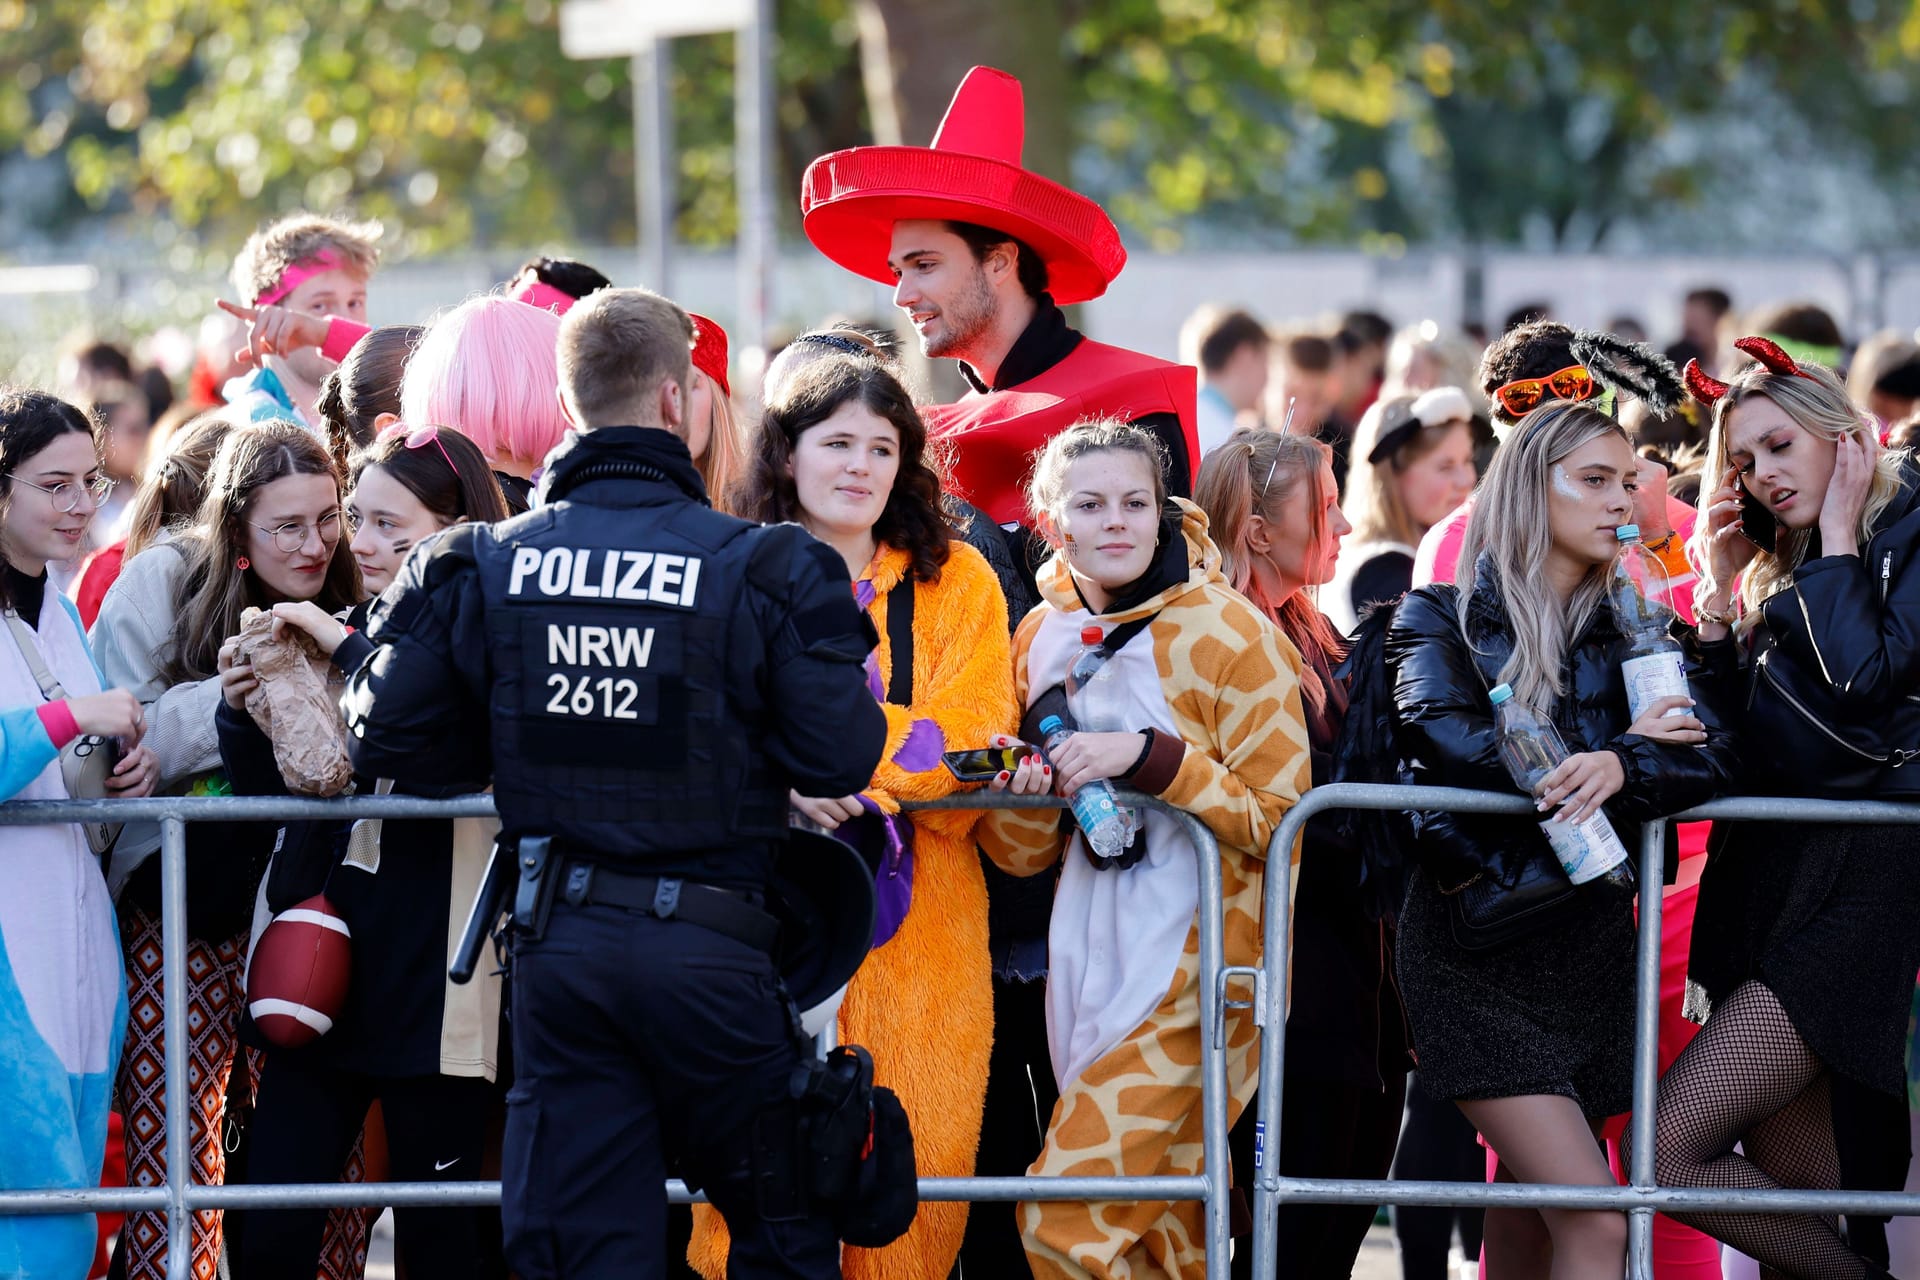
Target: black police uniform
pixel 641 679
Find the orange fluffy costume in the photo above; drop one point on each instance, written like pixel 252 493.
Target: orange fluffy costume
pixel 923 1001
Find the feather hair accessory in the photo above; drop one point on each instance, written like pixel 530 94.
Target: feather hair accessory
pixel 1630 367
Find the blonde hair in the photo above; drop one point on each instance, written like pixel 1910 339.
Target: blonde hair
pixel 1373 501
pixel 1456 358
pixel 303 237
pixel 1259 473
pixel 1817 403
pixel 176 478
pixel 1047 487
pixel 1512 528
pixel 725 461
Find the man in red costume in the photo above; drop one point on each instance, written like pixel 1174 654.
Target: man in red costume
pixel 982 255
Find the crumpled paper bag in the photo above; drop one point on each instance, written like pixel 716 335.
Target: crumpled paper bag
pixel 293 708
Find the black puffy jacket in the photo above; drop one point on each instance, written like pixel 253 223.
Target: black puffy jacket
pixel 1830 676
pixel 1446 735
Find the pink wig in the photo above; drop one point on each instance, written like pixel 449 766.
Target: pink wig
pixel 487 369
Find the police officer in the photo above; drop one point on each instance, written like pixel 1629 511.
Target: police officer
pixel 642 680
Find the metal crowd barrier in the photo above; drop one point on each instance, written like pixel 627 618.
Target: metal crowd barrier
pixel 180 1197
pixel 1641 1199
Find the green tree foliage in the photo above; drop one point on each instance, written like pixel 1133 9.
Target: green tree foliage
pixel 457 120
pixel 460 122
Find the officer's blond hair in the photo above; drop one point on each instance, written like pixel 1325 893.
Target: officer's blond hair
pixel 616 347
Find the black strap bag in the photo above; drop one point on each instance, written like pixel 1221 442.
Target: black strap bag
pixel 857 1148
pixel 1486 914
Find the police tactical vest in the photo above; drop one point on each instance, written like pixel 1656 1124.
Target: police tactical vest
pixel 617 707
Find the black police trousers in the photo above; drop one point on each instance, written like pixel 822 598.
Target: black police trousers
pixel 641 1046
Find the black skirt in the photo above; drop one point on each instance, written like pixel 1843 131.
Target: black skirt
pixel 1551 1013
pixel 1828 919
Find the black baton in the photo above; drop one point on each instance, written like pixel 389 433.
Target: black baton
pixel 487 906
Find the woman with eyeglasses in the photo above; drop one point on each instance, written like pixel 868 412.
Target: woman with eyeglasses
pixel 60 979
pixel 425 1050
pixel 269 530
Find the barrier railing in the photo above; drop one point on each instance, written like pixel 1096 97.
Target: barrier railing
pixel 181 1196
pixel 1643 1198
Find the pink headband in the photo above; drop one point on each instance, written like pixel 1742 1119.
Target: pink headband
pixel 540 294
pixel 296 275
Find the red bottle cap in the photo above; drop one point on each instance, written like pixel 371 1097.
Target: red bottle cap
pixel 1092 635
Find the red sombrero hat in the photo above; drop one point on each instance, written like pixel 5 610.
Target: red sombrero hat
pixel 849 200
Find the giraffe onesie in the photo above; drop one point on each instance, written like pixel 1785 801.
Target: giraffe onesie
pixel 1220 685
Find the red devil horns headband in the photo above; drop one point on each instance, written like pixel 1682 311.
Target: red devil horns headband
pixel 1707 389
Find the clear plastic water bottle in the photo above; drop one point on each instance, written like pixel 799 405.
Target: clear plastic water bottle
pixel 1093 687
pixel 1641 596
pixel 1107 827
pixel 1531 748
pixel 1096 697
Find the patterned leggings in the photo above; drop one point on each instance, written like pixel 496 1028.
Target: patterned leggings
pixel 214 998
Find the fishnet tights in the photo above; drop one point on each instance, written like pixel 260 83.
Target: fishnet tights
pixel 1749 1078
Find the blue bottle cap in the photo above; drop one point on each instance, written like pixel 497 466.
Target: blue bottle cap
pixel 1051 723
pixel 1628 533
pixel 1501 693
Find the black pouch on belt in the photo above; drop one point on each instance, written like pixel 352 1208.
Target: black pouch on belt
pixel 859 1148
pixel 533 894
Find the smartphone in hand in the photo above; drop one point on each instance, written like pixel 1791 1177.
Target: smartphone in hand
pixel 987 763
pixel 1757 523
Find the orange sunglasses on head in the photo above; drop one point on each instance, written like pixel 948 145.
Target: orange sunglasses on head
pixel 1522 397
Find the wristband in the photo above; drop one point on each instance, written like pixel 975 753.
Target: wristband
pixel 1718 618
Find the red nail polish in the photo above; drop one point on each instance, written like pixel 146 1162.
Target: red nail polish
pixel 1004 776
pixel 1046 768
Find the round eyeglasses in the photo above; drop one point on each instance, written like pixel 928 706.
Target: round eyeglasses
pixel 66 494
pixel 293 535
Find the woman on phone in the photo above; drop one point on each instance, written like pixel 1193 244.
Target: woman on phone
pixel 1207 716
pixel 1532 1037
pixel 62 993
pixel 845 454
pixel 1805 946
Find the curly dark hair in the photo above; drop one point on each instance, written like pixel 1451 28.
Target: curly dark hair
pixel 574 278
pixel 914 519
pixel 1533 350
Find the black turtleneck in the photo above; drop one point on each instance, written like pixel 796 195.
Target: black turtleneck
pixel 26 594
pixel 1045 342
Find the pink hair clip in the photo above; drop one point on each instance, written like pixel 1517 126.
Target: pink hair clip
pixel 419 438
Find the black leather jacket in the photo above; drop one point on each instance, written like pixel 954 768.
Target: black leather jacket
pixel 1830 676
pixel 1446 732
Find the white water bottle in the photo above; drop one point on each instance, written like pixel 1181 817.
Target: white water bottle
pixel 1531 748
pixel 1641 596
